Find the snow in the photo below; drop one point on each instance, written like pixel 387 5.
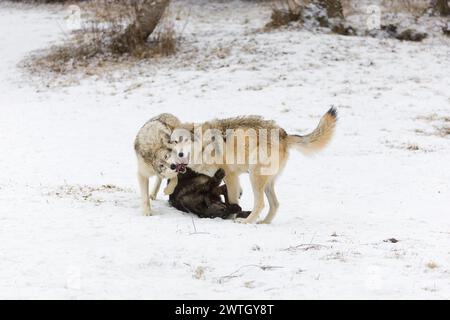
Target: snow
pixel 70 225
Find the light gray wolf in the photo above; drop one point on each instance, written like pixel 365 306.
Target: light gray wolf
pixel 154 154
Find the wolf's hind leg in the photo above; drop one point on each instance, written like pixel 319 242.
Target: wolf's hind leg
pixel 273 202
pixel 258 185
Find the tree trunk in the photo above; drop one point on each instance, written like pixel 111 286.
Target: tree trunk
pixel 148 16
pixel 441 6
pixel 333 7
pixel 148 13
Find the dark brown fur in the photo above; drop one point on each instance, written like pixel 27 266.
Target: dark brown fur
pixel 199 194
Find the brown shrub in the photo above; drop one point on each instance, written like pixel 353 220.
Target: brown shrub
pixel 281 17
pixel 112 31
pixel 320 11
pixel 284 12
pixel 43 1
pixel 411 35
pixel 414 7
pixel 446 30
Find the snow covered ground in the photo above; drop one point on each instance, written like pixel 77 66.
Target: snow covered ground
pixel 70 225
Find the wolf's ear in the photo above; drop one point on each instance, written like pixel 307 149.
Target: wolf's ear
pixel 184 139
pixel 180 135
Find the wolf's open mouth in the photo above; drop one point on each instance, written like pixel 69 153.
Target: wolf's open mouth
pixel 181 167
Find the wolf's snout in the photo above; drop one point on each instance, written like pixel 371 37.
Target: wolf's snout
pixel 183 157
pixel 181 168
pixel 173 166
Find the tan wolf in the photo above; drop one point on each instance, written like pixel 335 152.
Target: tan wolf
pixel 263 171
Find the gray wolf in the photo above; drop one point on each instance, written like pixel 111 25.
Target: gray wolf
pixel 153 151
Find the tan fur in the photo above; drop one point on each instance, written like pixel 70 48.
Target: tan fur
pixel 261 184
pixel 318 139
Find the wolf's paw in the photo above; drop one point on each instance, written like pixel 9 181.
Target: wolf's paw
pixel 146 211
pixel 168 191
pixel 264 222
pixel 152 196
pixel 220 174
pixel 243 220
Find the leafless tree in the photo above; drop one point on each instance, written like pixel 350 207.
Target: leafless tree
pixel 148 14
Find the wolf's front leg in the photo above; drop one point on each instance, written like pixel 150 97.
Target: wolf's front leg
pixel 156 187
pixel 171 186
pixel 145 200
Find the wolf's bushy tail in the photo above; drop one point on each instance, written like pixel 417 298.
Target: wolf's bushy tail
pixel 319 138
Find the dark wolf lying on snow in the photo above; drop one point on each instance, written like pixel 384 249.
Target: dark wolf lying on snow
pixel 200 194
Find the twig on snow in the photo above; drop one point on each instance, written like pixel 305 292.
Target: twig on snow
pixel 306 247
pixel 195 228
pixel 233 274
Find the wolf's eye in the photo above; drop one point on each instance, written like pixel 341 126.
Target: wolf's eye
pixel 161 166
pixel 166 156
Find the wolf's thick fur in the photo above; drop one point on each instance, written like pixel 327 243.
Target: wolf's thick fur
pixel 319 138
pixel 262 183
pixel 152 147
pixel 201 195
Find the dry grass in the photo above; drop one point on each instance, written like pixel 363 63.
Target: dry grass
pixel 350 7
pixel 165 42
pixel 413 7
pixel 282 15
pixel 408 146
pixel 44 1
pixel 105 38
pixel 440 124
pixel 325 13
pixel 95 194
pixel 413 147
pixel 434 117
pixel 443 131
pixel 431 265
